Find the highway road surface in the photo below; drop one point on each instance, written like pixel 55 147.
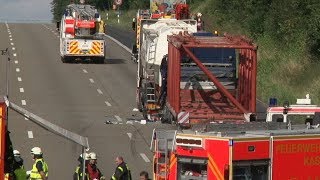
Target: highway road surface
pixel 77 97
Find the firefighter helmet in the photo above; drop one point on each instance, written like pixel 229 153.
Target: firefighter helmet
pixel 16 153
pixel 36 151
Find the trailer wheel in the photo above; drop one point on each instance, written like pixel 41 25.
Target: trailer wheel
pixel 167 117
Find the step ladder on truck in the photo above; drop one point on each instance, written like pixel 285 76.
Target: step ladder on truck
pixel 229 151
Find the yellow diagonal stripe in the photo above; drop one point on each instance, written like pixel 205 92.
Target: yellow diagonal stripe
pixel 215 167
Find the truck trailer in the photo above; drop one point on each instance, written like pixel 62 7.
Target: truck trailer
pixel 167 9
pixel 252 150
pixel 203 78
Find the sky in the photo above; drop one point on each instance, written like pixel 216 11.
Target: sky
pixel 25 9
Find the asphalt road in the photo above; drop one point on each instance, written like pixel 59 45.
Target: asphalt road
pixel 77 97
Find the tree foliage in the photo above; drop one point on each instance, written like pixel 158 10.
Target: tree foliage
pixel 290 22
pixel 58 6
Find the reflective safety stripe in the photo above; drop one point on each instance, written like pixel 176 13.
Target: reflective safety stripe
pixel 121 169
pixel 113 178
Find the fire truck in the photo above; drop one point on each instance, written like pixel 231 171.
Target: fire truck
pixel 302 111
pixel 81 37
pixel 203 78
pixel 253 150
pixel 167 9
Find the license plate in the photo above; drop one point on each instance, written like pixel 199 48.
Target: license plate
pixel 85 46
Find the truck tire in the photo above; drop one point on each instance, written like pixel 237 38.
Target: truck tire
pixel 64 59
pixel 167 117
pixel 101 60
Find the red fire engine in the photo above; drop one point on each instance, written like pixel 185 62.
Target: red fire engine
pixel 303 110
pixel 256 150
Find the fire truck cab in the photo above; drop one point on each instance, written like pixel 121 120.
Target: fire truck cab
pixel 256 150
pixel 302 111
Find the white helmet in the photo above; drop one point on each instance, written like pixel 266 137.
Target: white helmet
pixel 36 151
pixel 16 153
pixel 93 156
pixel 199 14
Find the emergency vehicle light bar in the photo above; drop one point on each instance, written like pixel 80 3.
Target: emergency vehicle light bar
pixel 193 142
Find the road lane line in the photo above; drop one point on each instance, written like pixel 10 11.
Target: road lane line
pixel 15 54
pixel 144 157
pixel 11 39
pixel 130 135
pixel 17 69
pixel 10 36
pixel 26 117
pixel 23 102
pixel 13 48
pixel 118 118
pixel 12 44
pixel 21 90
pixel 30 134
pixel 19 79
pixel 119 43
pixel 107 103
pixel 99 91
pixel 16 62
pixel 91 80
pixel 85 71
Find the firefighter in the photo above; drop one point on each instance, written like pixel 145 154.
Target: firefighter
pixel 78 172
pixel 200 23
pixel 100 25
pixel 122 171
pixel 40 168
pixel 144 175
pixel 93 171
pixel 18 168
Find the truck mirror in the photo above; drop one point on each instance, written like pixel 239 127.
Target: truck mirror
pixel 58 25
pixel 134 49
pixel 134 25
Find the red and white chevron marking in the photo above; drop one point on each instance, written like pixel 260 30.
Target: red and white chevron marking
pixel 183 117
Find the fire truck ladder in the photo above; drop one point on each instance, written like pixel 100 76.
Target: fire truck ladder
pixel 163 142
pixel 151 96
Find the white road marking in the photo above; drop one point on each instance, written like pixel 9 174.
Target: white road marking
pixel 15 54
pixel 107 103
pixel 21 90
pixel 17 69
pixel 23 102
pixel 119 43
pixel 11 39
pixel 12 44
pixel 144 157
pixel 30 134
pixel 26 117
pixel 91 80
pixel 99 91
pixel 9 32
pixel 19 79
pixel 118 118
pixel 13 48
pixel 10 36
pixel 130 135
pixel 85 71
pixel 16 62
